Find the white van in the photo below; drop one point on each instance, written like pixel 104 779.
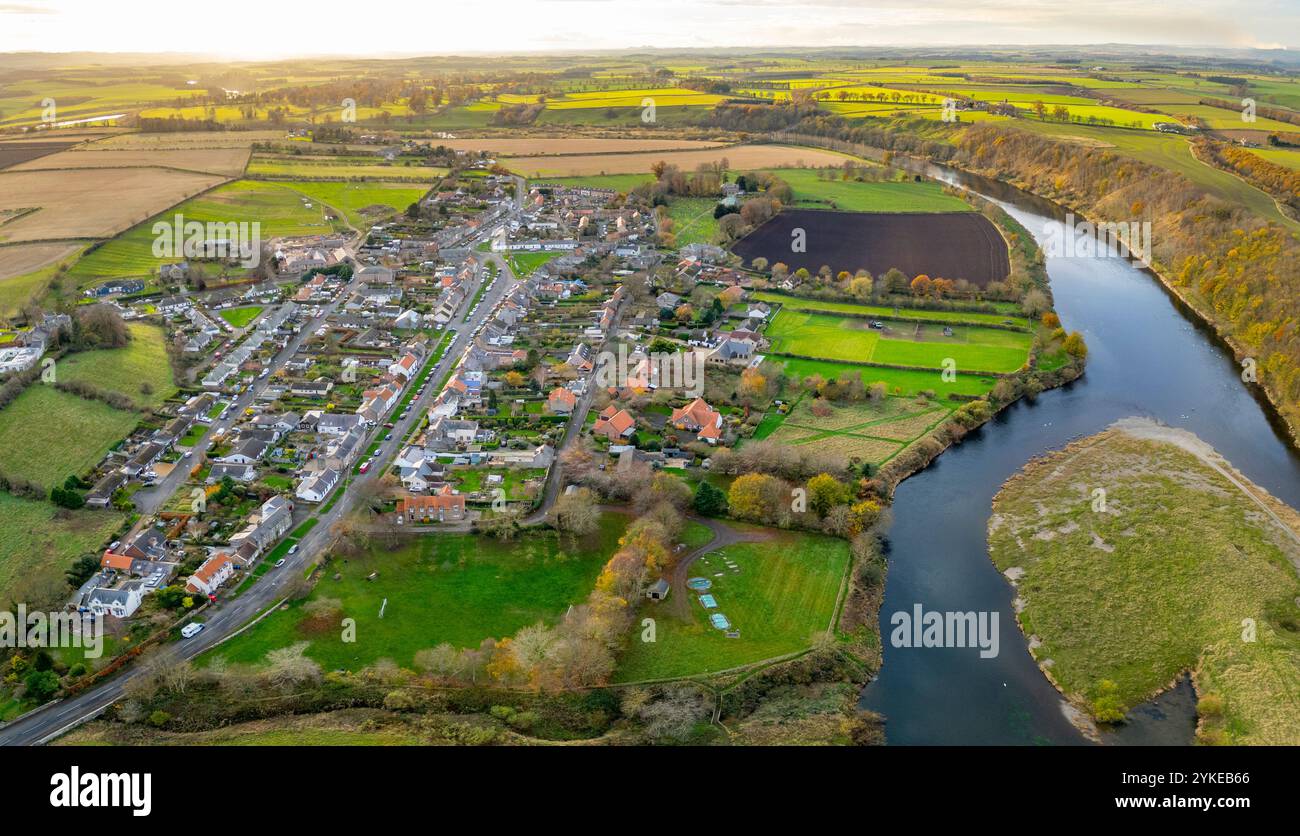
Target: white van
pixel 192 629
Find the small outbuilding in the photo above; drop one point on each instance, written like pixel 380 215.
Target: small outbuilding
pixel 658 590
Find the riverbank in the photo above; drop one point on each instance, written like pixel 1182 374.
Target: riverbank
pixel 1138 554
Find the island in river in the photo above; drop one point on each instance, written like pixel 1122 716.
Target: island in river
pixel 1139 554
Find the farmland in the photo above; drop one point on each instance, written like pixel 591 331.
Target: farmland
pixel 780 597
pixel 227 162
pixel 952 245
pixel 870 432
pixel 922 344
pixel 288 167
pixel 47 435
pixel 740 157
pixel 38 542
pixel 450 588
pixel 528 146
pixel 129 370
pixel 1180 555
pixel 814 192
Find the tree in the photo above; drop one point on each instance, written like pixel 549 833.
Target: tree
pixel 709 501
pixel 755 496
pixel 825 492
pixel 41 685
pixel 80 571
pixel 1051 320
pixel 921 285
pixel 576 512
pixel 1075 346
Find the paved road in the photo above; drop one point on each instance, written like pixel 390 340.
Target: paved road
pixel 227 616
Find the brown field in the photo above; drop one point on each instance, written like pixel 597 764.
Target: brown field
pixel 195 139
pixel 740 157
pixel 17 153
pixel 91 203
pixel 550 145
pixel 229 162
pixel 24 258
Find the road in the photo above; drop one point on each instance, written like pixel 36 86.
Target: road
pixel 228 616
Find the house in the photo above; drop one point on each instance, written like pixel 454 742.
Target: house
pixel 561 401
pixel 407 320
pixel 333 423
pixel 237 472
pixel 143 459
pixel 419 469
pixel 101 495
pixel 318 388
pixel 209 577
pixel 121 602
pixel 658 590
pixel 271 522
pixel 406 367
pixel 440 507
pixel 700 418
pixel 668 300
pixel 316 488
pixel 581 358
pixel 249 450
pixel 449 433
pixel 614 424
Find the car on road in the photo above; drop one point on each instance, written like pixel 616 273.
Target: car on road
pixel 389 425
pixel 192 629
pixel 188 453
pixel 293 549
pixel 279 563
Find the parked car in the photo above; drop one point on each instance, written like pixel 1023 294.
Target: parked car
pixel 293 549
pixel 279 563
pixel 192 629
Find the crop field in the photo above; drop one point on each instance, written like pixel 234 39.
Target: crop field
pixel 533 146
pixel 780 596
pixel 739 157
pixel 47 435
pixel 361 203
pixel 79 99
pixel 227 162
pixel 26 270
pixel 954 245
pixel 17 153
pixel 447 588
pixel 289 167
pixel 814 192
pixel 66 213
pixel 189 139
pixel 924 344
pixel 38 542
pixel 127 370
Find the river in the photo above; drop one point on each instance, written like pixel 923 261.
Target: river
pixel 1146 358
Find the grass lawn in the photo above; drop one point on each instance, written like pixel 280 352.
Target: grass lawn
pixel 362 203
pixel 782 597
pixel 522 264
pixel 38 542
pixel 241 317
pixel 693 221
pixel 813 192
pixel 898 381
pixel 795 303
pixel 1161 582
pixel 446 588
pixel 143 361
pixel 47 435
pixel 846 338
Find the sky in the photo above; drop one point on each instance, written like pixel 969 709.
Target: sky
pixel 268 29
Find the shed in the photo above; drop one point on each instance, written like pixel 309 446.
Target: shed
pixel 658 590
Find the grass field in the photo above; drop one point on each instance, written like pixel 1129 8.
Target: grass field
pixel 241 317
pixel 143 361
pixel 781 597
pixel 339 168
pixel 693 221
pixel 1169 577
pixel 867 431
pixel 898 381
pixel 447 588
pixel 22 280
pixel 38 542
pixel 47 435
pixel 848 338
pixel 362 203
pixel 522 264
pixel 280 209
pixel 814 192
pixel 795 303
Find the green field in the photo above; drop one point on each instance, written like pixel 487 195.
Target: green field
pixel 814 192
pixel 693 221
pixel 898 381
pixel 1182 570
pixel 38 542
pixel 866 431
pixel 445 588
pixel 278 208
pixel 241 317
pixel 847 338
pixel 47 435
pixel 781 599
pixel 361 203
pixel 522 264
pixel 142 362
pixel 795 303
